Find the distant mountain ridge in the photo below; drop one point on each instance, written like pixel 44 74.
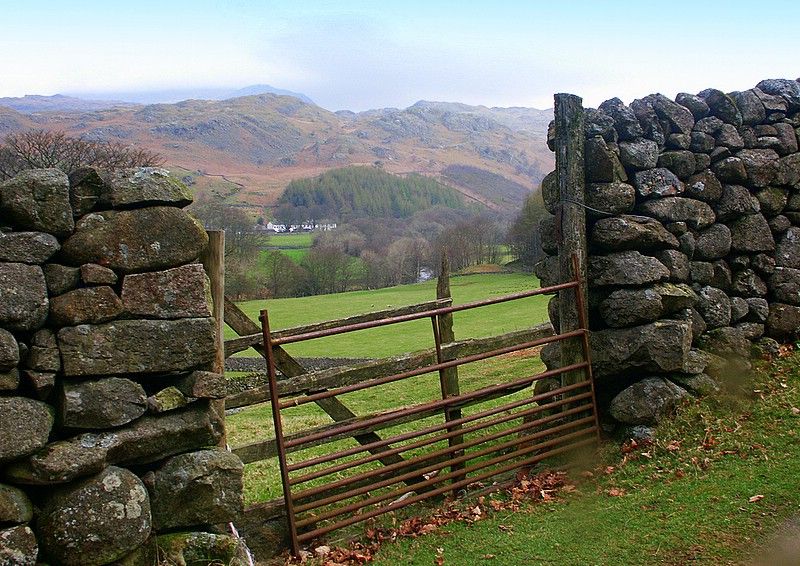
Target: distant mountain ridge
pixel 259 143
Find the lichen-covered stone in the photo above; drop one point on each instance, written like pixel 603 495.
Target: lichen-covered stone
pixel 133 241
pixel 44 354
pixel 168 399
pixel 722 106
pixel 9 379
pixel 747 283
pixel 38 200
pixel 25 425
pixel 181 292
pixel 697 214
pixel 625 121
pixel 137 346
pixel 145 440
pixel 751 234
pixel 703 186
pixel 27 247
pixel 18 546
pixel 95 521
pixel 729 169
pixel 734 202
pixel 715 307
pixel 611 198
pixel 761 166
pixel 661 346
pixel 15 507
pixel 713 243
pixel 647 401
pixel 696 105
pixel 750 106
pixel 787 89
pixel 758 309
pixel 680 162
pixel 677 263
pixel 626 232
pixel 784 285
pixel 142 186
pixel 88 305
pixel 638 154
pixel 601 162
pixel 787 252
pixel 9 351
pixel 739 308
pixel 23 297
pixel 625 268
pixel 198 488
pixel 772 200
pixel 103 403
pixel 61 278
pixel 207 385
pixel 783 322
pixel 631 307
pixel 93 274
pixel 657 182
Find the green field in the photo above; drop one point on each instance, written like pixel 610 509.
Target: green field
pixel 291 240
pixel 410 336
pixel 255 423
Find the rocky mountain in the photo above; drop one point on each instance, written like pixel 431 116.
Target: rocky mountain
pixel 31 103
pixel 248 148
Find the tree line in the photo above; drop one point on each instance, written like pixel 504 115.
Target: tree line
pixel 357 192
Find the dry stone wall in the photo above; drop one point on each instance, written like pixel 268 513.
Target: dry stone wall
pixel 108 432
pixel 693 223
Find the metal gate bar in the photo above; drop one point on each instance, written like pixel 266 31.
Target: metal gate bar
pixel 563 419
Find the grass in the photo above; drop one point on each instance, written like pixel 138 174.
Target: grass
pixel 406 337
pixel 262 481
pixel 292 240
pixel 714 488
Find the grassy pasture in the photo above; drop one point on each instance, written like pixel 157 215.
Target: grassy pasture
pixel 254 423
pixel 410 336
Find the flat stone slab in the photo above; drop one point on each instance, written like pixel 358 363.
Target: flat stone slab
pixel 137 346
pixel 23 297
pixel 133 241
pixel 181 292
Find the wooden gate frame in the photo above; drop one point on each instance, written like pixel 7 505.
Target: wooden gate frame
pixel 418 476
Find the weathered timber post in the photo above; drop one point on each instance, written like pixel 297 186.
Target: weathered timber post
pixel 570 222
pixel 214 264
pixel 448 377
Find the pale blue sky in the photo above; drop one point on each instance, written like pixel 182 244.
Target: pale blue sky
pixel 370 54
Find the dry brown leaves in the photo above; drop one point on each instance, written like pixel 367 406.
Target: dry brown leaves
pixel 544 486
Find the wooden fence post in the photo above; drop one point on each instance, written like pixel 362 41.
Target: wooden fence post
pixel 570 222
pixel 448 377
pixel 213 259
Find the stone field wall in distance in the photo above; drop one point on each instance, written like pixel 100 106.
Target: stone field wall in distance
pixel 108 433
pixel 693 223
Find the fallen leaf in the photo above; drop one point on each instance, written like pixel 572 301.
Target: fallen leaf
pixel 322 551
pixel 674 445
pixel 795 411
pixel 488 556
pixel 755 498
pixel 615 492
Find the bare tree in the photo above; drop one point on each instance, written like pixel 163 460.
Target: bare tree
pixel 34 149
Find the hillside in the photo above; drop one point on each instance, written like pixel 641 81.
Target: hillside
pixel 249 148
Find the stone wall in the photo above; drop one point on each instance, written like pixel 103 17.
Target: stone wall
pixel 693 223
pixel 108 431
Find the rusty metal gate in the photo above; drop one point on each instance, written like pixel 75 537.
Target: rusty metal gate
pixel 446 456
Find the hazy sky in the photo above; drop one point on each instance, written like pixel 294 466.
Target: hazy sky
pixel 370 54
